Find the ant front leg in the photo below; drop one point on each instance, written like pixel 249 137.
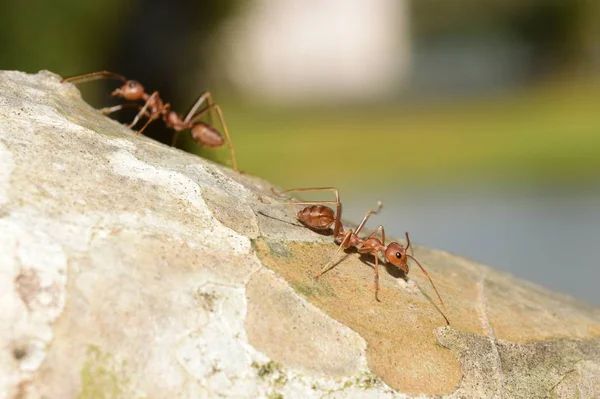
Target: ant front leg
pixel 93 76
pixel 115 108
pixel 377 278
pixel 154 116
pixel 143 111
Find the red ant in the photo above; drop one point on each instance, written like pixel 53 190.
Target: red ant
pixel 154 108
pixel 319 217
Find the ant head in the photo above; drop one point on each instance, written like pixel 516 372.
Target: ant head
pixel 131 90
pixel 396 254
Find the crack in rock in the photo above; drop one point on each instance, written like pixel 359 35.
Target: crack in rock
pixel 6 168
pixel 487 327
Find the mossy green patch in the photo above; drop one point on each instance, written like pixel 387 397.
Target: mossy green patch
pixel 278 249
pixel 277 253
pixel 271 370
pixel 367 381
pixel 103 377
pixel 266 369
pixel 318 288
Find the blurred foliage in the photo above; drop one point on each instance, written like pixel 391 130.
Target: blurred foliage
pixel 72 36
pixel 63 36
pixel 159 43
pixel 547 133
pixel 563 33
pixel 540 128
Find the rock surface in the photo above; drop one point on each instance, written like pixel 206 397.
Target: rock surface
pixel 129 269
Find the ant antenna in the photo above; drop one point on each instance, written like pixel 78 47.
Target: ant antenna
pixel 412 252
pixel 432 284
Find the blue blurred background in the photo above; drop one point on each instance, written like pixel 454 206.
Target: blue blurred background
pixel 477 123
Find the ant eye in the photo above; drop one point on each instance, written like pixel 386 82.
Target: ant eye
pixel 132 85
pixel 399 255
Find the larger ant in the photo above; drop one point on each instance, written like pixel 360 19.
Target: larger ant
pixel 154 108
pixel 319 217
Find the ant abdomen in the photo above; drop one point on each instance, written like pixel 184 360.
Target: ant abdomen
pixel 317 217
pixel 206 135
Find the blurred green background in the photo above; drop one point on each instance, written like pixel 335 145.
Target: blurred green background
pixel 475 122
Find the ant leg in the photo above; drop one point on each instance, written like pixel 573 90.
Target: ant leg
pixel 205 97
pixel 327 266
pixel 174 139
pixel 367 215
pixel 115 108
pixel 373 234
pixel 217 109
pixel 176 134
pixel 154 116
pixel 93 76
pixel 142 111
pixel 333 189
pixel 151 119
pixel 377 278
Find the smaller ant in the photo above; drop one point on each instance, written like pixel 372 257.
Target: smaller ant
pixel 319 217
pixel 154 108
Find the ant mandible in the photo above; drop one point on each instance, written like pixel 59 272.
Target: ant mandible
pixel 154 108
pixel 319 217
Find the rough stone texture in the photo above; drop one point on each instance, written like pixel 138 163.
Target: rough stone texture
pixel 129 269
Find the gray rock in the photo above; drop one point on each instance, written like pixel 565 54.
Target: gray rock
pixel 129 269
